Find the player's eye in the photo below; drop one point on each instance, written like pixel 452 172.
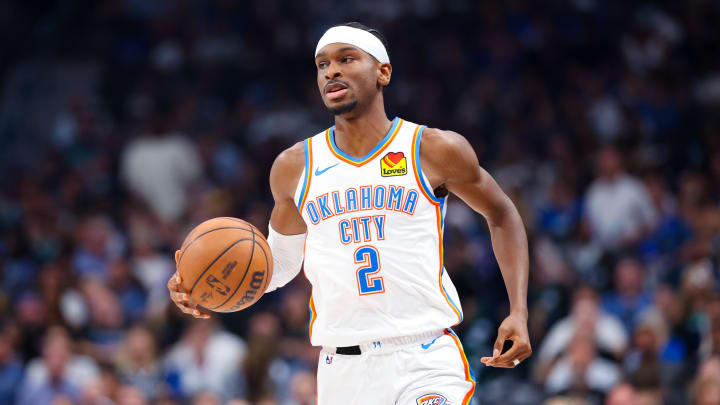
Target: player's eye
pixel 321 65
pixel 347 58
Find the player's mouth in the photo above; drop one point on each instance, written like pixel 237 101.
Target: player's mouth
pixel 335 90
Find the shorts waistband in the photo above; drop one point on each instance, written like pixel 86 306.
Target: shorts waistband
pixel 384 344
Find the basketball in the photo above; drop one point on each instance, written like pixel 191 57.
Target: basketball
pixel 225 263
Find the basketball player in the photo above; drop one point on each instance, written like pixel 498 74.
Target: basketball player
pixel 363 204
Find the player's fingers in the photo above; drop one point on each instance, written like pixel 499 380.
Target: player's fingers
pixel 500 341
pixel 184 308
pixel 174 283
pixel 191 309
pixel 178 295
pixel 491 362
pixel 519 351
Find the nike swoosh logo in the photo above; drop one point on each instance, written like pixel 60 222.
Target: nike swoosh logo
pixel 426 346
pixel 319 172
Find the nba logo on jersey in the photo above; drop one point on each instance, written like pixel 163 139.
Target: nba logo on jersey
pixel 431 399
pixel 393 164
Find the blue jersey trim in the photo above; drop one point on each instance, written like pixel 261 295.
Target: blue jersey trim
pixel 372 152
pixel 307 173
pixel 451 301
pixel 442 229
pixel 418 167
pixel 472 374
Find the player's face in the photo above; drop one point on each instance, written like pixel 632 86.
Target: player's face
pixel 346 76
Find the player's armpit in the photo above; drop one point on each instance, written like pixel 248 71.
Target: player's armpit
pixel 448 159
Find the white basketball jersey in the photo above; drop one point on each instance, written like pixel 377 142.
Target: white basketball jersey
pixel 374 251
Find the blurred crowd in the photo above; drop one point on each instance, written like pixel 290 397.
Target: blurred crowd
pixel 124 123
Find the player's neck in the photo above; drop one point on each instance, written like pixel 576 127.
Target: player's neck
pixel 357 136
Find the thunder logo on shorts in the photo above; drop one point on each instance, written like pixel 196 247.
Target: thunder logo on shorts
pixel 431 399
pixel 393 164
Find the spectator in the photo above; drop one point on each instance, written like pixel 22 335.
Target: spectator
pixel 645 363
pixel 98 244
pixel 58 374
pixel 303 387
pixel 711 340
pixel 707 391
pixel 628 298
pixel 618 208
pixel 621 394
pixel 205 359
pixel 159 167
pixel 237 401
pixel 105 330
pixel 129 395
pixel 138 364
pixel 263 349
pixel 130 293
pixel 206 398
pixel 609 335
pixel 581 372
pixel 11 369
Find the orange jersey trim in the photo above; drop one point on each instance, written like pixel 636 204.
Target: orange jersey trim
pixel 440 273
pixel 466 366
pixel 308 175
pixel 438 212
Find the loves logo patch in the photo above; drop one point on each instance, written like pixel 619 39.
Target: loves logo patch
pixel 393 164
pixel 431 399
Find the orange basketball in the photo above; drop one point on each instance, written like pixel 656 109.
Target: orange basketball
pixel 226 264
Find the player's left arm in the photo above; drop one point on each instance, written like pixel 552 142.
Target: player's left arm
pixel 449 161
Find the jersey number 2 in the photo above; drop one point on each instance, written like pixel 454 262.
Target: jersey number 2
pixel 368 280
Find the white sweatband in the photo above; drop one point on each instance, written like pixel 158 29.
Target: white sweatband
pixel 356 37
pixel 287 253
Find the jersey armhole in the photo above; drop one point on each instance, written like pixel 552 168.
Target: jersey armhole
pixel 420 177
pixel 303 186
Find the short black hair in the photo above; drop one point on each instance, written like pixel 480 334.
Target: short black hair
pixel 378 34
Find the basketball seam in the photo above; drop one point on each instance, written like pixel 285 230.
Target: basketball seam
pixel 215 260
pixel 182 253
pixel 230 218
pixel 252 252
pixel 237 220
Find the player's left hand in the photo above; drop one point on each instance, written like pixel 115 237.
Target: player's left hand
pixel 514 328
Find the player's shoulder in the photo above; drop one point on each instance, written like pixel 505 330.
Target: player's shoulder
pixel 446 155
pixel 437 143
pixel 287 168
pixel 291 157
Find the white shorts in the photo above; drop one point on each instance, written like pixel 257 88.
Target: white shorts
pixel 426 369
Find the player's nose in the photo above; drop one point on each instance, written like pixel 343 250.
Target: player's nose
pixel 333 71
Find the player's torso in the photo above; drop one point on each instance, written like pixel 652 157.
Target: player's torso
pixel 374 244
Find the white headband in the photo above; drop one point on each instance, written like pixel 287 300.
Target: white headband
pixel 357 37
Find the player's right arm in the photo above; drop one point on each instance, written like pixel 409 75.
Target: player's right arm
pixel 284 177
pixel 286 231
pixel 286 235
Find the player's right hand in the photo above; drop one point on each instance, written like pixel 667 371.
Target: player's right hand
pixel 180 297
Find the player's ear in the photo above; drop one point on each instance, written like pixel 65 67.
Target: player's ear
pixel 177 256
pixel 384 73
